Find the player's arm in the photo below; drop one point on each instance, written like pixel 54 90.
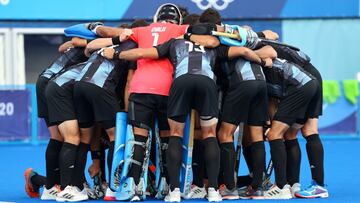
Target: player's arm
pixel 266 52
pixel 98 44
pixel 108 32
pixel 79 42
pixel 204 40
pixel 65 46
pixel 132 54
pixel 126 92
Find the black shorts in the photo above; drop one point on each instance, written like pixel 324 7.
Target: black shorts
pixel 299 104
pixel 191 91
pixel 143 108
pixel 319 104
pixel 246 102
pixel 94 104
pixel 41 84
pixel 60 103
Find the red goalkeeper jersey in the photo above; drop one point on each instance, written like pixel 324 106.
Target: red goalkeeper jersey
pixel 154 76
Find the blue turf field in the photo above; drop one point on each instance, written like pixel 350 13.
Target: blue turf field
pixel 342 171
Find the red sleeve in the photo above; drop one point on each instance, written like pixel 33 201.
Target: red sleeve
pixel 135 36
pixel 182 29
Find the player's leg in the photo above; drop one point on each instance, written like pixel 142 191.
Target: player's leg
pixel 205 101
pixel 179 105
pixel 293 154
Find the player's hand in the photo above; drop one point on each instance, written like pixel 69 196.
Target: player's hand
pixel 270 35
pixel 92 26
pixel 125 34
pixel 94 168
pixel 108 53
pixel 268 62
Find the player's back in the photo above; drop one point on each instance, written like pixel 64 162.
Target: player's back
pixel 154 76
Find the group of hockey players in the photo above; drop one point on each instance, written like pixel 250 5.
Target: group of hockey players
pixel 132 90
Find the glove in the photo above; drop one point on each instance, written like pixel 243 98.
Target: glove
pixel 93 26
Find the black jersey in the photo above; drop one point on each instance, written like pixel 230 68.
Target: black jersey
pixel 189 58
pixel 240 69
pixel 71 57
pixel 284 77
pixel 107 73
pixel 297 57
pixel 66 77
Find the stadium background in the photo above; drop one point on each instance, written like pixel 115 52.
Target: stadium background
pixel 31 30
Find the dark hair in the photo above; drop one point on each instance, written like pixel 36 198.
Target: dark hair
pixel 139 23
pixel 210 15
pixel 124 25
pixel 191 19
pixel 184 11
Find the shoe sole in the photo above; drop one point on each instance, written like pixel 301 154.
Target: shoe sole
pixel 28 189
pixel 231 197
pixel 107 198
pixel 324 195
pixel 60 199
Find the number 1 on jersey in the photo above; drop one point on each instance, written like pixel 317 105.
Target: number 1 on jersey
pixel 156 38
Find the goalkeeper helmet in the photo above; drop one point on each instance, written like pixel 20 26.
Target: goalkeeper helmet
pixel 168 12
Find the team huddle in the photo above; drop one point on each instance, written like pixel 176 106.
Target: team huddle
pixel 131 90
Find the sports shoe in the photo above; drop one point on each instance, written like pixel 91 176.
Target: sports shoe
pixel 72 194
pixel 109 195
pixel 228 194
pixel 294 189
pixel 313 191
pixel 31 191
pixel 173 196
pixel 195 193
pixel 242 191
pixel 89 191
pixel 250 193
pixel 213 195
pixel 50 194
pixel 276 193
pixel 163 189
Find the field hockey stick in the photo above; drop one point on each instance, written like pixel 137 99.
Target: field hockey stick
pixel 269 168
pixel 261 40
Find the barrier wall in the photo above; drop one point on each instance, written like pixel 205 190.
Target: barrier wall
pixel 19 122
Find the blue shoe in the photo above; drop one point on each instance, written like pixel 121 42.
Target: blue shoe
pixel 127 190
pixel 313 191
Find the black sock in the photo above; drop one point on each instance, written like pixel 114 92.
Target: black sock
pixel 258 161
pixel 38 181
pixel 80 164
pixel 102 165
pixel 67 159
pixel 293 162
pixel 110 159
pixel 139 153
pixel 278 156
pixel 164 146
pixel 315 151
pixel 198 163
pixel 244 181
pixel 52 163
pixel 227 154
pixel 247 157
pixel 212 160
pixel 173 156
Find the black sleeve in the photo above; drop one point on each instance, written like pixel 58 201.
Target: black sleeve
pixel 164 49
pixel 222 52
pixel 131 65
pixel 202 28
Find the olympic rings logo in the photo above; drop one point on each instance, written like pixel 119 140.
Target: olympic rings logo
pixel 4 2
pixel 205 4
